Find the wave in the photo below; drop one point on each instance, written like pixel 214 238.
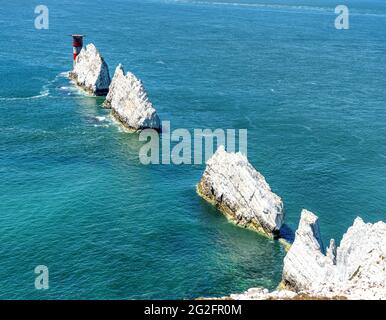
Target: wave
pixel 63 74
pixel 100 119
pixel 101 125
pixel 258 5
pixel 280 7
pixel 53 84
pixel 43 93
pixel 60 87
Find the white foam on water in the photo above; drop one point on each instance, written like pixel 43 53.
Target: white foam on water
pixel 69 89
pixel 279 7
pixel 101 125
pixel 306 127
pixel 100 118
pixel 258 5
pixel 43 93
pixel 52 84
pixel 63 74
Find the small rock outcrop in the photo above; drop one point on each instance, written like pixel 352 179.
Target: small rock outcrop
pixel 129 102
pixel 356 269
pixel 241 193
pixel 264 294
pixel 91 71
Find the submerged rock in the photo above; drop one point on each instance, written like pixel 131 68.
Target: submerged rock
pixel 241 193
pixel 91 71
pixel 129 102
pixel 356 269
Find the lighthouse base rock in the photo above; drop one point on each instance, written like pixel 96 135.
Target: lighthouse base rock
pixel 241 193
pixel 91 71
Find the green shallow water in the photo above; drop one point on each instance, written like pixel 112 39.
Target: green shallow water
pixel 74 196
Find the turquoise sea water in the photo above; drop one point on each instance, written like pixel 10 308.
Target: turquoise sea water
pixel 73 194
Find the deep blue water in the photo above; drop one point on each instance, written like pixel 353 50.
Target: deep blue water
pixel 73 194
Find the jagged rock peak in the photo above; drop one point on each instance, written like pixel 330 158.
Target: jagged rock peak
pixel 355 270
pixel 130 103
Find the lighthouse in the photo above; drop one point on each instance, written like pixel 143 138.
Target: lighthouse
pixel 77 44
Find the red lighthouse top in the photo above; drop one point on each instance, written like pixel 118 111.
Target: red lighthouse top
pixel 77 40
pixel 77 44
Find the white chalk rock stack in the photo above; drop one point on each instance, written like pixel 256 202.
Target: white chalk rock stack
pixel 241 193
pixel 305 262
pixel 129 102
pixel 91 71
pixel 355 270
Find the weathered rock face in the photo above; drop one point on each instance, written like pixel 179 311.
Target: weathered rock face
pixel 91 71
pixel 241 193
pixel 305 262
pixel 129 102
pixel 356 269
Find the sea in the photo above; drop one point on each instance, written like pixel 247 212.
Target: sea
pixel 74 195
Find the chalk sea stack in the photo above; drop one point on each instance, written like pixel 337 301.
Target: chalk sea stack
pixel 241 193
pixel 91 71
pixel 129 102
pixel 354 270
